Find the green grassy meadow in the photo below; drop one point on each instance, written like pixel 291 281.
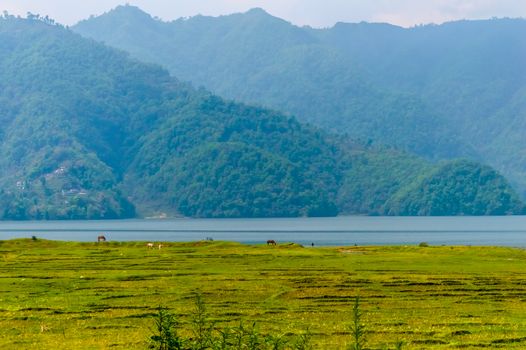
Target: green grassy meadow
pixel 61 295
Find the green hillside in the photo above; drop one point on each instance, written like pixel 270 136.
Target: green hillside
pixel 441 91
pixel 88 132
pixel 458 187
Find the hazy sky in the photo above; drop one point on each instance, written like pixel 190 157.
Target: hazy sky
pixel 317 13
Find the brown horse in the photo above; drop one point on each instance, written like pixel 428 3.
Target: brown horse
pixel 101 238
pixel 271 242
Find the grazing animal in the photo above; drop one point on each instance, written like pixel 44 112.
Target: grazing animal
pixel 101 238
pixel 150 245
pixel 271 242
pixel 160 246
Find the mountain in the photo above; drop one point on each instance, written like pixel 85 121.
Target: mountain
pixel 87 132
pixel 441 91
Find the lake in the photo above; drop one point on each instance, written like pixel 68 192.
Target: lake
pixel 344 230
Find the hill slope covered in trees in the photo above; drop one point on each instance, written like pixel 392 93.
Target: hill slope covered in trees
pixel 441 91
pixel 87 132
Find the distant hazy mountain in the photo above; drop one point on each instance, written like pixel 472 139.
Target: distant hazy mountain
pixel 87 132
pixel 442 91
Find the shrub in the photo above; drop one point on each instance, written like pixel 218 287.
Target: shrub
pixel 201 326
pixel 206 336
pixel 165 335
pixel 357 327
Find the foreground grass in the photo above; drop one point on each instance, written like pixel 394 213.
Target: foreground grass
pixel 57 295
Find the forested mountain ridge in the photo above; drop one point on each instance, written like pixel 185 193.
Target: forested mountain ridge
pixel 88 133
pixel 441 91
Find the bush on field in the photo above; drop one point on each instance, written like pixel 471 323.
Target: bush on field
pixel 205 334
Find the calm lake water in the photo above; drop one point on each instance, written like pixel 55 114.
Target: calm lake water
pixel 339 231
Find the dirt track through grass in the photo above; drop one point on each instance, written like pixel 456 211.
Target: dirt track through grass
pixel 57 295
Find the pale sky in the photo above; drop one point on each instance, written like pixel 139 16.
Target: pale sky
pixel 316 13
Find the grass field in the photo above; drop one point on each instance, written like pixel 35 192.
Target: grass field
pixel 58 295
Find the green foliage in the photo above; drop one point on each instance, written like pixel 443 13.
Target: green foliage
pixel 457 188
pixel 357 327
pixel 368 185
pixel 165 335
pixel 303 341
pixel 453 90
pixel 201 327
pixel 98 130
pixel 87 133
pixel 205 335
